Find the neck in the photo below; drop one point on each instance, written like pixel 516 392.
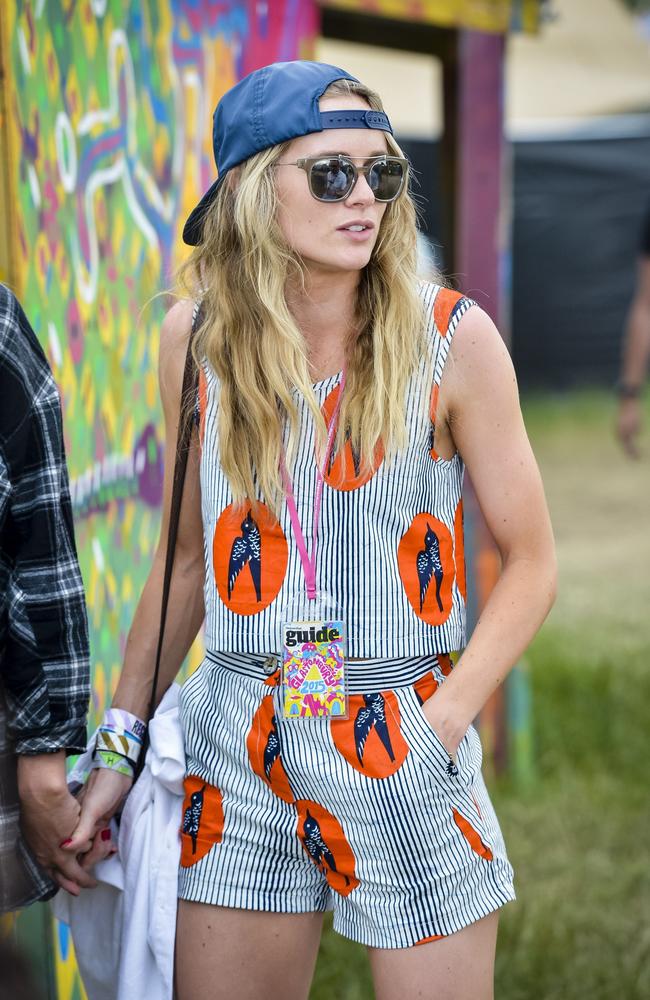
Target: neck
pixel 324 311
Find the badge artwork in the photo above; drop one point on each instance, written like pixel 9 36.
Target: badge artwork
pixel 313 670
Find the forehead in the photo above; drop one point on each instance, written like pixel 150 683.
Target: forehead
pixel 357 142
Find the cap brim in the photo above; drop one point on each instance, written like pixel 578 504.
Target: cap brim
pixel 193 228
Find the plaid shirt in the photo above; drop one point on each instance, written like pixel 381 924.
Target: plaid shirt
pixel 44 655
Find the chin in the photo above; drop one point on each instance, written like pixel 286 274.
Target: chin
pixel 337 263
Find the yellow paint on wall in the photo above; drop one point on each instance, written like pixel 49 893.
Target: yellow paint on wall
pixel 127 520
pixel 109 415
pixel 479 15
pixel 89 29
pixel 51 67
pixel 67 978
pixel 151 389
pixel 62 268
pixel 74 104
pixel 127 589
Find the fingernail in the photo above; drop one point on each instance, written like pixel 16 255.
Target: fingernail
pixel 64 843
pixel 106 834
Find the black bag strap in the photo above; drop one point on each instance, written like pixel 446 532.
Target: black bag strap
pixel 185 423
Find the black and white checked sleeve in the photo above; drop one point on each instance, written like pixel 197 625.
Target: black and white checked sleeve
pixel 45 663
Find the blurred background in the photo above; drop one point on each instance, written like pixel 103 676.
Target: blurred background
pixel 528 126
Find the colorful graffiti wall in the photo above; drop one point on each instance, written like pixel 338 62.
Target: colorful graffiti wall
pixel 479 15
pixel 109 114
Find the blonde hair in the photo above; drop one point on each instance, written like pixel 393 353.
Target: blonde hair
pixel 251 340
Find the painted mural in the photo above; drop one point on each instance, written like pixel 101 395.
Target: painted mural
pixel 110 116
pixel 480 15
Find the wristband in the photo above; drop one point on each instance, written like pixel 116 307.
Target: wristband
pixel 121 721
pixel 121 733
pixel 112 762
pixel 625 390
pixel 124 744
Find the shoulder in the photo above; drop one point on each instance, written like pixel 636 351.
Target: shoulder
pixel 176 328
pixel 174 338
pixel 23 365
pixel 8 305
pixel 17 339
pixel 482 366
pixel 444 307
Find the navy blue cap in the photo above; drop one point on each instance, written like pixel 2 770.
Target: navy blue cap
pixel 272 105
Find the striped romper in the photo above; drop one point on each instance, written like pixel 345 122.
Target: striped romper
pixel 367 815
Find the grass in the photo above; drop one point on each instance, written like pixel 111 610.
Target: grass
pixel 579 837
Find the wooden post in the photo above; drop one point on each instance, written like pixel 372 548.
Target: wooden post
pixel 481 267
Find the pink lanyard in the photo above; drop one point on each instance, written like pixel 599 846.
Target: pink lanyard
pixel 309 562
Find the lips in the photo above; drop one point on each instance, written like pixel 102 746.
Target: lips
pixel 356 226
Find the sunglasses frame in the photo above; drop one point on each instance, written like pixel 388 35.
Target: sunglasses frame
pixel 307 162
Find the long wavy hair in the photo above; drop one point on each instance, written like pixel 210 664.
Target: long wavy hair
pixel 249 337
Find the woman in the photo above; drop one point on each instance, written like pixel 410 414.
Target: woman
pixel 336 399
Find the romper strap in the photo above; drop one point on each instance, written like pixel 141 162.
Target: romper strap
pixel 448 308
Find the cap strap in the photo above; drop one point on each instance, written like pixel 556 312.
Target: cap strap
pixel 355 119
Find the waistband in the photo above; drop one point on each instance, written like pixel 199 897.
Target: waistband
pixel 363 676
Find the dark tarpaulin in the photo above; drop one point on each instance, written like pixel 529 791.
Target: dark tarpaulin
pixel 578 214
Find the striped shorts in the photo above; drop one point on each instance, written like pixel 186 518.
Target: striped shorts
pixel 367 815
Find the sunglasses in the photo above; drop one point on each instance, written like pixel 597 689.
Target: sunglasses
pixel 331 178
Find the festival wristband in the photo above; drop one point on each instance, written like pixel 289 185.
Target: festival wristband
pixel 120 721
pixel 112 762
pixel 124 744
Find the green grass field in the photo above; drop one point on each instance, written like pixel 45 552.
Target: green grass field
pixel 579 836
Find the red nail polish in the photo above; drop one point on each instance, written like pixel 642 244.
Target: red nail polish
pixel 106 834
pixel 64 843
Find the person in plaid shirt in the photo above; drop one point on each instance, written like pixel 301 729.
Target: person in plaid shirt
pixel 44 654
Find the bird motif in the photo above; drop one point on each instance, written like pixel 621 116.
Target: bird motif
pixel 192 816
pixel 246 551
pixel 429 566
pixel 372 714
pixel 356 457
pixel 272 748
pixel 316 847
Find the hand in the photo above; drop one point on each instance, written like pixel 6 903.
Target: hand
pixel 101 797
pixel 48 815
pixel 449 729
pixel 628 425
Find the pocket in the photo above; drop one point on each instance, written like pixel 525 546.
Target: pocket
pixel 460 773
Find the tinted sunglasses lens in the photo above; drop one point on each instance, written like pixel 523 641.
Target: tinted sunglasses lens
pixel 386 178
pixel 331 179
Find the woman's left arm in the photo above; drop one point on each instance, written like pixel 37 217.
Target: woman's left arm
pixel 480 404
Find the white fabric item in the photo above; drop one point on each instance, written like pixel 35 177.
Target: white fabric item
pixel 123 931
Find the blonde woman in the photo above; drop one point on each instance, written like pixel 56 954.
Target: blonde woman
pixel 331 760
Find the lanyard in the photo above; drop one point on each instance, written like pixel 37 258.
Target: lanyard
pixel 309 562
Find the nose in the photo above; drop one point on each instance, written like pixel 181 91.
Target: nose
pixel 361 193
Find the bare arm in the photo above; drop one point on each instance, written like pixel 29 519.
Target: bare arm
pixel 185 613
pixel 480 404
pixel 105 790
pixel 634 364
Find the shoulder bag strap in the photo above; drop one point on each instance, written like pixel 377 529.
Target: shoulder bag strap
pixel 190 382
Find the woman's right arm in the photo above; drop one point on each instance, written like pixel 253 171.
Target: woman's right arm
pixel 106 790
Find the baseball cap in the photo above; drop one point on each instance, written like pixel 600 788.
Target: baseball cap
pixel 272 105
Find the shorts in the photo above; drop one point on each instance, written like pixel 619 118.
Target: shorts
pixel 366 816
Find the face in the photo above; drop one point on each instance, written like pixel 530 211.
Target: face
pixel 320 231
